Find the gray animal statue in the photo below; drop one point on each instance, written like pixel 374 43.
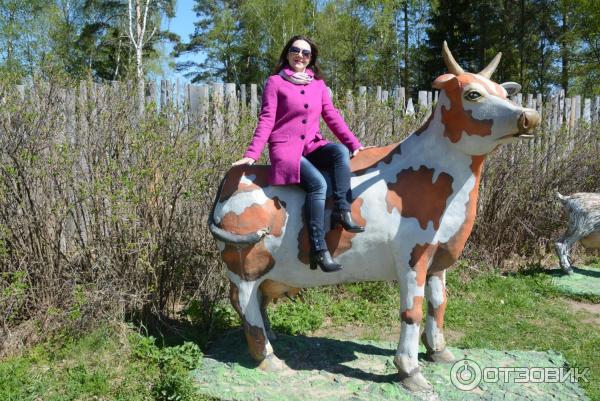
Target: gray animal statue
pixel 583 210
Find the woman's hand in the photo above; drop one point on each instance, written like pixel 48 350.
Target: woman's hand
pixel 361 148
pixel 246 160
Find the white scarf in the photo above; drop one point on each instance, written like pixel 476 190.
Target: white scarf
pixel 298 78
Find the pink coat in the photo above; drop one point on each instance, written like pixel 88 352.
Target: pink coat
pixel 289 121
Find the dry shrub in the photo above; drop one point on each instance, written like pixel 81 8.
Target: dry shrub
pixel 103 212
pixel 519 214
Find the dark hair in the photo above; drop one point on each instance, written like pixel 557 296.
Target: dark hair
pixel 314 53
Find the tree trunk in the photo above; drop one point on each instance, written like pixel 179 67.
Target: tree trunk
pixel 138 54
pixel 405 79
pixel 564 51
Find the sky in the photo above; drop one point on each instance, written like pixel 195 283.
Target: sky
pixel 182 25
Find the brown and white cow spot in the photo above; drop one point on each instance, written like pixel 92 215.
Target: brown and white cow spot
pixel 448 252
pixel 420 257
pixel 233 180
pixel 257 341
pixel 414 194
pixel 338 240
pixel 414 314
pixel 253 261
pixel 234 298
pixel 438 313
pixel 457 120
pixel 371 157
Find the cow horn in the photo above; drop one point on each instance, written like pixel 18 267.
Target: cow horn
pixel 489 70
pixel 453 67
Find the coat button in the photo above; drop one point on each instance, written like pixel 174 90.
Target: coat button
pixel 306 106
pixel 302 137
pixel 302 92
pixel 304 121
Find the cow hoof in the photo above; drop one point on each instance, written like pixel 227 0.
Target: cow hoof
pixel 416 383
pixel 444 356
pixel 272 364
pixel 567 270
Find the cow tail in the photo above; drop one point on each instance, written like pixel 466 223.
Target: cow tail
pixel 226 236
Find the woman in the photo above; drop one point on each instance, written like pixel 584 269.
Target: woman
pixel 294 98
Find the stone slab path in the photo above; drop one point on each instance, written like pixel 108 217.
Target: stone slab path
pixel 584 281
pixel 333 369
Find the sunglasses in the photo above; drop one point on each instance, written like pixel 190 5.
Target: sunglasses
pixel 296 50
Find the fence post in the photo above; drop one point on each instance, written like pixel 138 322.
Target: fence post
pixel 422 100
pixel 587 110
pixel 349 100
pixel 519 99
pixel 362 110
pixel 399 99
pixel 166 94
pixel 193 105
pixel 151 95
pixel 561 107
pixel 218 128
pixel 70 114
pixel 529 101
pixel 410 109
pixel 232 107
pixel 204 105
pixel 577 107
pixel 253 100
pixel 243 97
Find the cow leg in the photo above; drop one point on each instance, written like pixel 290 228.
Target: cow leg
pixel 411 313
pixel 265 300
pixel 244 297
pixel 433 336
pixel 563 247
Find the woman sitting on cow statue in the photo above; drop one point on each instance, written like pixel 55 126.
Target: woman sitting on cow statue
pixel 293 100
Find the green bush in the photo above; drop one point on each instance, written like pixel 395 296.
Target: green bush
pixel 174 382
pixel 297 317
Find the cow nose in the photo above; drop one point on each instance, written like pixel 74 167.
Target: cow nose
pixel 528 120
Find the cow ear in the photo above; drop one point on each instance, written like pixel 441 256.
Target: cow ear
pixel 441 80
pixel 512 88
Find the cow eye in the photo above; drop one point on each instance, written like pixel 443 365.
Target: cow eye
pixel 472 95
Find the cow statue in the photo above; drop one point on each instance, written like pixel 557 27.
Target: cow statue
pixel 416 199
pixel 583 210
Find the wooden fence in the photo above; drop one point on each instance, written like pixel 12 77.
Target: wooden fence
pixel 201 100
pixel 215 110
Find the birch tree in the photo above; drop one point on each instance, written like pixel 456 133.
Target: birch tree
pixel 139 37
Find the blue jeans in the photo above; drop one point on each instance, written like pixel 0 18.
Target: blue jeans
pixel 335 159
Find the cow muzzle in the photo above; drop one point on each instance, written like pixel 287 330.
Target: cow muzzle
pixel 527 122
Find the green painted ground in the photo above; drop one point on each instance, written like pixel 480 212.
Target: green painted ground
pixel 331 369
pixel 584 281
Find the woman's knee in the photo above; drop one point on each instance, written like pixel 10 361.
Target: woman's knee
pixel 317 186
pixel 340 151
pixel 312 180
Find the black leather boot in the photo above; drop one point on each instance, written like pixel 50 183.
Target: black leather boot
pixel 345 220
pixel 324 260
